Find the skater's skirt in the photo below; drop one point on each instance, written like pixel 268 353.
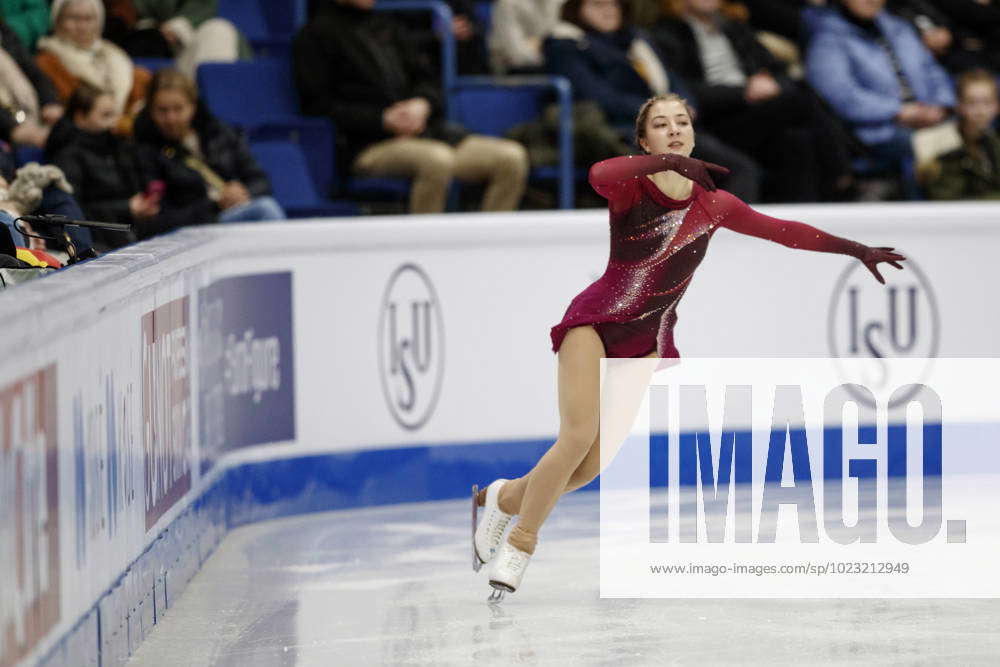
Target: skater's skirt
pixel 634 338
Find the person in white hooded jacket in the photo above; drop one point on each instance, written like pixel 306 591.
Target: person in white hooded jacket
pixel 518 29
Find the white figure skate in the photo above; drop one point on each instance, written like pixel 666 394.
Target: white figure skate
pixel 507 571
pixel 487 535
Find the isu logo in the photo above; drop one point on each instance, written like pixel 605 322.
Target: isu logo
pixel 870 322
pixel 411 346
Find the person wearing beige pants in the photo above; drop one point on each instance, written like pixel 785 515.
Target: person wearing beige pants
pixel 364 70
pixel 500 163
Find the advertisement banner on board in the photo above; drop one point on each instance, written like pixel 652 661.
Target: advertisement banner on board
pixel 107 465
pixel 29 513
pixel 166 407
pixel 246 363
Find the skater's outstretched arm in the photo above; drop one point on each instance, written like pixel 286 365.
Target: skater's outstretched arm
pixel 614 178
pixel 739 217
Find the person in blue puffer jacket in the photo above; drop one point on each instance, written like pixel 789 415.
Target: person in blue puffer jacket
pixel 877 75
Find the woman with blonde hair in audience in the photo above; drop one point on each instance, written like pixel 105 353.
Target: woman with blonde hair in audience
pixel 199 156
pixel 76 52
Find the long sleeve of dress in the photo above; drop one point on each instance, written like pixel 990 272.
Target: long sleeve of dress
pixel 615 178
pixel 739 217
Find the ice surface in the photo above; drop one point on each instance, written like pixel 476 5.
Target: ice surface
pixel 394 586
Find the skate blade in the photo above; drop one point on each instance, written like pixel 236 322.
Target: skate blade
pixel 496 596
pixel 477 563
pixel 499 586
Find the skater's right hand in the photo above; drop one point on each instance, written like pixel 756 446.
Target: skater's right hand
pixel 696 170
pixel 872 257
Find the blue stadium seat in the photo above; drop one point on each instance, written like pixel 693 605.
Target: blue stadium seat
pixel 484 12
pixel 271 114
pixel 492 105
pixel 269 25
pixel 290 179
pixel 248 16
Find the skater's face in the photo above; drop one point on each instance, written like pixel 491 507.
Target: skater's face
pixel 978 106
pixel 864 9
pixel 668 129
pixel 601 15
pixel 78 23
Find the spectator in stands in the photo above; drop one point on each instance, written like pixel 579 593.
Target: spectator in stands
pixel 106 171
pixel 28 18
pixel 28 102
pixel 977 26
pixel 361 69
pixel 972 171
pixel 789 18
pixel 962 34
pixel 42 189
pixel 466 30
pixel 747 99
pixel 611 63
pixel 188 30
pixel 77 53
pixel 876 74
pixel 199 156
pixel 519 28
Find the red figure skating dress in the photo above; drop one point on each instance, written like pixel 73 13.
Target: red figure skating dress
pixel 656 245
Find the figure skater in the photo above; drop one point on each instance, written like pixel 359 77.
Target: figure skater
pixel 664 208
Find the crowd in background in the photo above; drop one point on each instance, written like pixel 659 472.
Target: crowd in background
pixel 804 100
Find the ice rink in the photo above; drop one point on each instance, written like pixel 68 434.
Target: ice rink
pixel 393 585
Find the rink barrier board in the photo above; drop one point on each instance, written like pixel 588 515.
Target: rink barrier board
pixel 143 330
pixel 251 492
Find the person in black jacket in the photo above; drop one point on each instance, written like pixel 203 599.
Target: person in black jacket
pixel 199 157
pixel 788 18
pixel 361 69
pixel 29 105
pixel 110 176
pixel 746 98
pixel 611 63
pixel 962 34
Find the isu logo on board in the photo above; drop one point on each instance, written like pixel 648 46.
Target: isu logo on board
pixel 411 346
pixel 870 322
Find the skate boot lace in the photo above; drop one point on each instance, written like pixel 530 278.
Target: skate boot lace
pixel 498 523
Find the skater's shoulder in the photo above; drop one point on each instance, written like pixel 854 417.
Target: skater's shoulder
pixel 720 202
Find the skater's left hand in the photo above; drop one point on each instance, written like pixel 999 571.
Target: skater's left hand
pixel 873 256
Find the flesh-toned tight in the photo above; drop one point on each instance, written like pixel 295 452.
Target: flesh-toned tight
pixel 575 458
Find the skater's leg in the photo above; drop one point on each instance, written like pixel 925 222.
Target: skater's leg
pixel 512 493
pixel 579 414
pixel 630 399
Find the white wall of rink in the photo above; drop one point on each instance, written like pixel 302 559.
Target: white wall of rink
pixel 130 383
